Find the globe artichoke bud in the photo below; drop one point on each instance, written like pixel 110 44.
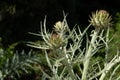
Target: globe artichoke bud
pixel 56 41
pixel 100 19
pixel 60 27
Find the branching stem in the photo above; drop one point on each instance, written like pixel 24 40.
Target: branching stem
pixel 88 55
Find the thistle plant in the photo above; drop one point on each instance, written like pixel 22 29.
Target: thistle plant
pixel 65 44
pixel 100 19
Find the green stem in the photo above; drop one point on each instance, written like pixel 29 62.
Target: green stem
pixel 68 64
pixel 108 68
pixel 88 55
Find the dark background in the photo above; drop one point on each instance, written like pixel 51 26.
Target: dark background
pixel 18 17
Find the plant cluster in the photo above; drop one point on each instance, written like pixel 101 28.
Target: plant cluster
pixel 65 54
pixel 13 65
pixel 68 59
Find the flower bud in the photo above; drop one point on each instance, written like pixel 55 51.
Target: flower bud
pixel 100 19
pixel 56 41
pixel 58 26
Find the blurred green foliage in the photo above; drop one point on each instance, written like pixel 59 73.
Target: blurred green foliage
pixel 16 65
pixel 115 34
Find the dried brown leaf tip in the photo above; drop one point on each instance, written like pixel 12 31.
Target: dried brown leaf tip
pixel 100 19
